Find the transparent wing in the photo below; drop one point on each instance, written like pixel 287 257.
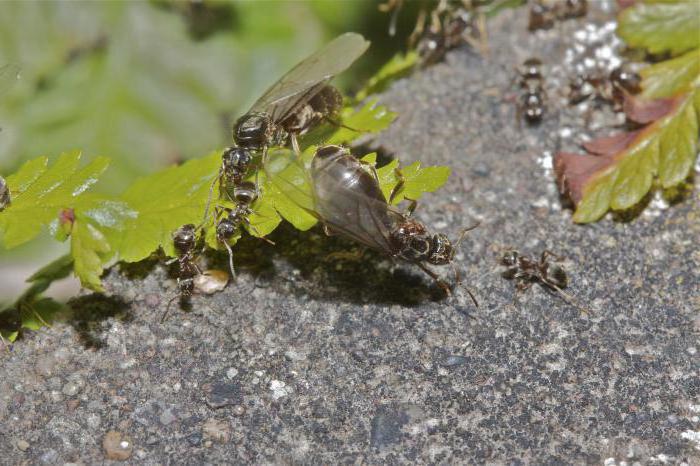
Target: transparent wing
pixel 363 219
pixel 308 77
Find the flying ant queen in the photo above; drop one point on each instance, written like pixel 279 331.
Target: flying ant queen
pixel 295 104
pixel 346 198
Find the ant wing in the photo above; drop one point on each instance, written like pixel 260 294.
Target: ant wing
pixel 347 212
pixel 309 76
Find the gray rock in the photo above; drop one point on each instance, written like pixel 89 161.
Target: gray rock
pixel 367 352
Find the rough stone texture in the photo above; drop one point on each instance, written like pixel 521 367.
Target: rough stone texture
pixel 313 358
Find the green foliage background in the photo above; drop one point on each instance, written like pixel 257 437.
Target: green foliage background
pixel 152 83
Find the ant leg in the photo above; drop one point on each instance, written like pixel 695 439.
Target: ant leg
pixel 295 144
pixel 549 253
pixel 418 29
pixel 523 284
pixel 251 227
pixel 230 259
pixel 328 231
pixel 211 192
pixel 167 308
pixel 445 287
pixel 458 281
pixel 411 207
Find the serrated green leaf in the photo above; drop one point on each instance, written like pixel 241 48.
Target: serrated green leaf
pixel 664 149
pixel 417 180
pixel 87 245
pixel 671 77
pixel 161 203
pixel 39 193
pixel 27 174
pixel 659 28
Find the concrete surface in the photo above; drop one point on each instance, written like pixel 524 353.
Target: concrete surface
pixel 316 358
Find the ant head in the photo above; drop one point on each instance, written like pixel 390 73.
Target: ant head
pixel 184 238
pixel 441 250
pixel 510 258
pixel 252 130
pixel 225 229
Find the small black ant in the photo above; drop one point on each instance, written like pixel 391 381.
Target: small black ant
pixel 526 271
pixel 185 242
pixel 608 88
pixel 545 13
pixel 532 100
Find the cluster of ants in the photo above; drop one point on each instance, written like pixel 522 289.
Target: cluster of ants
pixel 609 88
pixel 346 197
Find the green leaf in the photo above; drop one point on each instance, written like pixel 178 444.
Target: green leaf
pixel 56 270
pixel 399 66
pixel 370 118
pixel 89 80
pixel 417 180
pixel 661 27
pixel 87 245
pixel 621 177
pixel 39 193
pixel 671 77
pixel 290 191
pixel 287 187
pixel 158 204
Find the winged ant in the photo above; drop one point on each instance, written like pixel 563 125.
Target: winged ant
pixel 296 103
pixel 347 200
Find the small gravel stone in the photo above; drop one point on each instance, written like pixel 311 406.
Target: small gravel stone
pixel 71 388
pixel 167 417
pixel 216 430
pixel 222 394
pixel 117 446
pixel 22 445
pixel 452 361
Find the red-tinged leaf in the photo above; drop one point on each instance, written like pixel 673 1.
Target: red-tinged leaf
pixel 625 165
pixel 644 111
pixel 624 4
pixel 574 172
pixel 609 145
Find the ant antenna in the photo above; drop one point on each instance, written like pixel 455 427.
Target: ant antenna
pixel 167 308
pixel 211 192
pixel 569 298
pixel 463 233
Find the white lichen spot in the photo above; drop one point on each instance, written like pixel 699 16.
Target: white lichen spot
pixel 279 389
pixel 693 436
